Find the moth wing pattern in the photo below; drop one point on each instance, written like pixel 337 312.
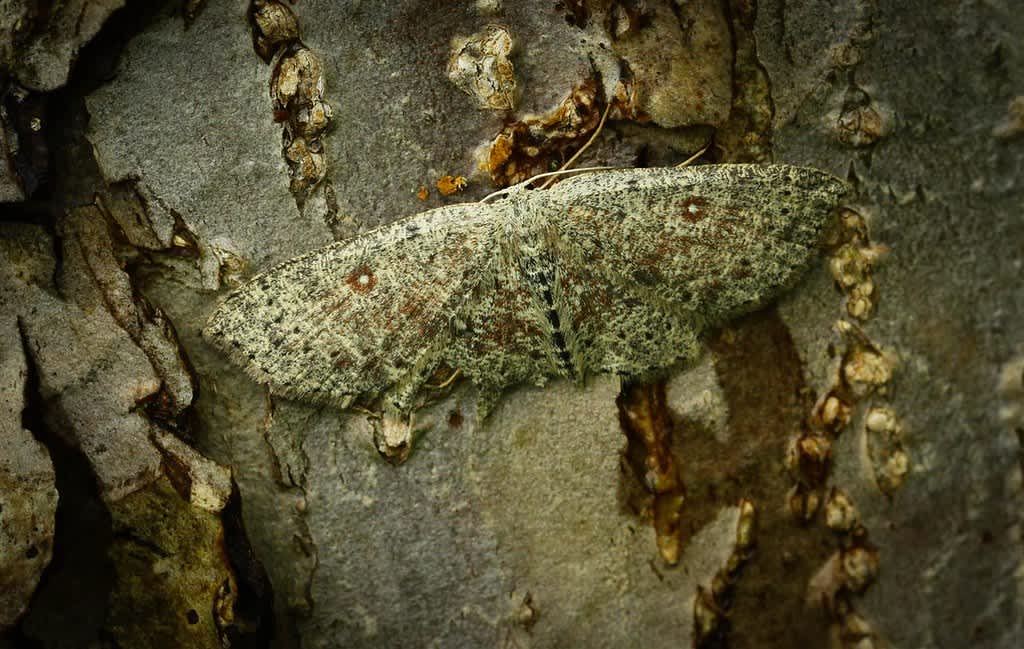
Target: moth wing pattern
pixel 607 322
pixel 370 316
pixel 540 310
pixel 503 337
pixel 592 319
pixel 650 258
pixel 706 242
pixel 617 271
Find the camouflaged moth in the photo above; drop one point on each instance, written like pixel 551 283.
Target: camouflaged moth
pixel 614 271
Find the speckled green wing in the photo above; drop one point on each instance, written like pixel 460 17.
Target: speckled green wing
pixel 650 258
pixel 608 272
pixel 363 317
pixel 503 336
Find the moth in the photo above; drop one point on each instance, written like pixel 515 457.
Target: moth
pixel 615 271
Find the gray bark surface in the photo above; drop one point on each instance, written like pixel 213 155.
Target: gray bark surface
pixel 532 527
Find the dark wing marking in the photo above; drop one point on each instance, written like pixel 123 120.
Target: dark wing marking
pixel 504 334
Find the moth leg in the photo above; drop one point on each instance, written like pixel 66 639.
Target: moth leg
pixel 394 429
pixel 445 383
pixel 392 435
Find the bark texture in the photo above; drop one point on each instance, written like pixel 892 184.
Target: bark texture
pixel 845 465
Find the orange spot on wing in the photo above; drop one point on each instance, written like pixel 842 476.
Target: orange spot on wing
pixel 361 280
pixel 693 208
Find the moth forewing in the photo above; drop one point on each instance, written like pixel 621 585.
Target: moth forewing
pixel 355 319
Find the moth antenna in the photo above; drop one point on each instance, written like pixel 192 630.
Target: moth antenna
pixel 560 172
pixel 564 169
pixel 503 191
pixel 686 163
pixel 575 156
